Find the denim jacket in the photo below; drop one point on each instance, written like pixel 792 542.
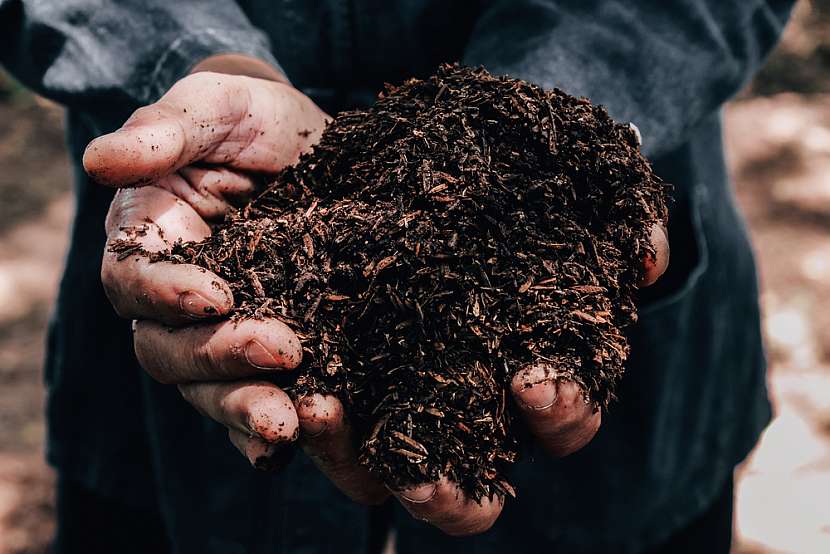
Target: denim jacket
pixel 693 401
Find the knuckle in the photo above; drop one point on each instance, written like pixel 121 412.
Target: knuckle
pixel 144 111
pixel 151 359
pixel 230 409
pixel 249 416
pixel 207 358
pixel 197 80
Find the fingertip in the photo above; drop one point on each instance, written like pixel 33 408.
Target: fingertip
pixel 273 345
pixel 444 505
pixel 654 265
pixel 253 448
pixel 325 435
pixel 216 290
pixel 111 159
pixel 206 302
pixel 419 494
pixel 556 409
pixel 136 154
pixel 163 291
pixel 261 455
pixel 535 387
pixel 319 414
pixel 272 418
pixel 570 395
pixel 91 160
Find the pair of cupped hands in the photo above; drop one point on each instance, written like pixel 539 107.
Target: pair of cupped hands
pixel 179 165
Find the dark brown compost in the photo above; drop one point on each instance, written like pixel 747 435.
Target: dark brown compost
pixel 462 228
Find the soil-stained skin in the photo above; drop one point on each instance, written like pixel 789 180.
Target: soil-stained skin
pixel 462 228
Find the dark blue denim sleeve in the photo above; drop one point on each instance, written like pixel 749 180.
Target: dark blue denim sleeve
pixel 80 52
pixel 663 65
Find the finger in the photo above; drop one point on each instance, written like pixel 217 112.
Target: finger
pixel 255 408
pixel 213 190
pixel 655 265
pixel 445 506
pixel 555 410
pixel 208 191
pixel 219 351
pixel 248 124
pixel 152 218
pixel 262 455
pixel 326 437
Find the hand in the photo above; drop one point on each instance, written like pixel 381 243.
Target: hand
pixel 198 148
pixel 556 414
pixel 241 126
pixel 554 410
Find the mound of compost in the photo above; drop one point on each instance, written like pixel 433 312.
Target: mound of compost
pixel 462 228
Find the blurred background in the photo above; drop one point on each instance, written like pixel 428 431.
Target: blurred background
pixel 778 137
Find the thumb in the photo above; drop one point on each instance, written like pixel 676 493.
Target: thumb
pixel 242 122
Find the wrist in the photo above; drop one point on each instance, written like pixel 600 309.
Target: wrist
pixel 241 64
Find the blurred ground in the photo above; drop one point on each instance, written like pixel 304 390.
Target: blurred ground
pixel 778 136
pixel 780 151
pixel 34 216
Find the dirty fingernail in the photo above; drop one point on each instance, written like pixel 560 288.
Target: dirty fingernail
pixel 311 425
pixel 420 494
pixel 259 356
pixel 539 396
pixel 314 427
pixel 195 305
pixel 535 388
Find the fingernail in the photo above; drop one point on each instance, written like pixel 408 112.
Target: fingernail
pixel 258 356
pixel 535 388
pixel 314 426
pixel 420 494
pixel 539 396
pixel 196 306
